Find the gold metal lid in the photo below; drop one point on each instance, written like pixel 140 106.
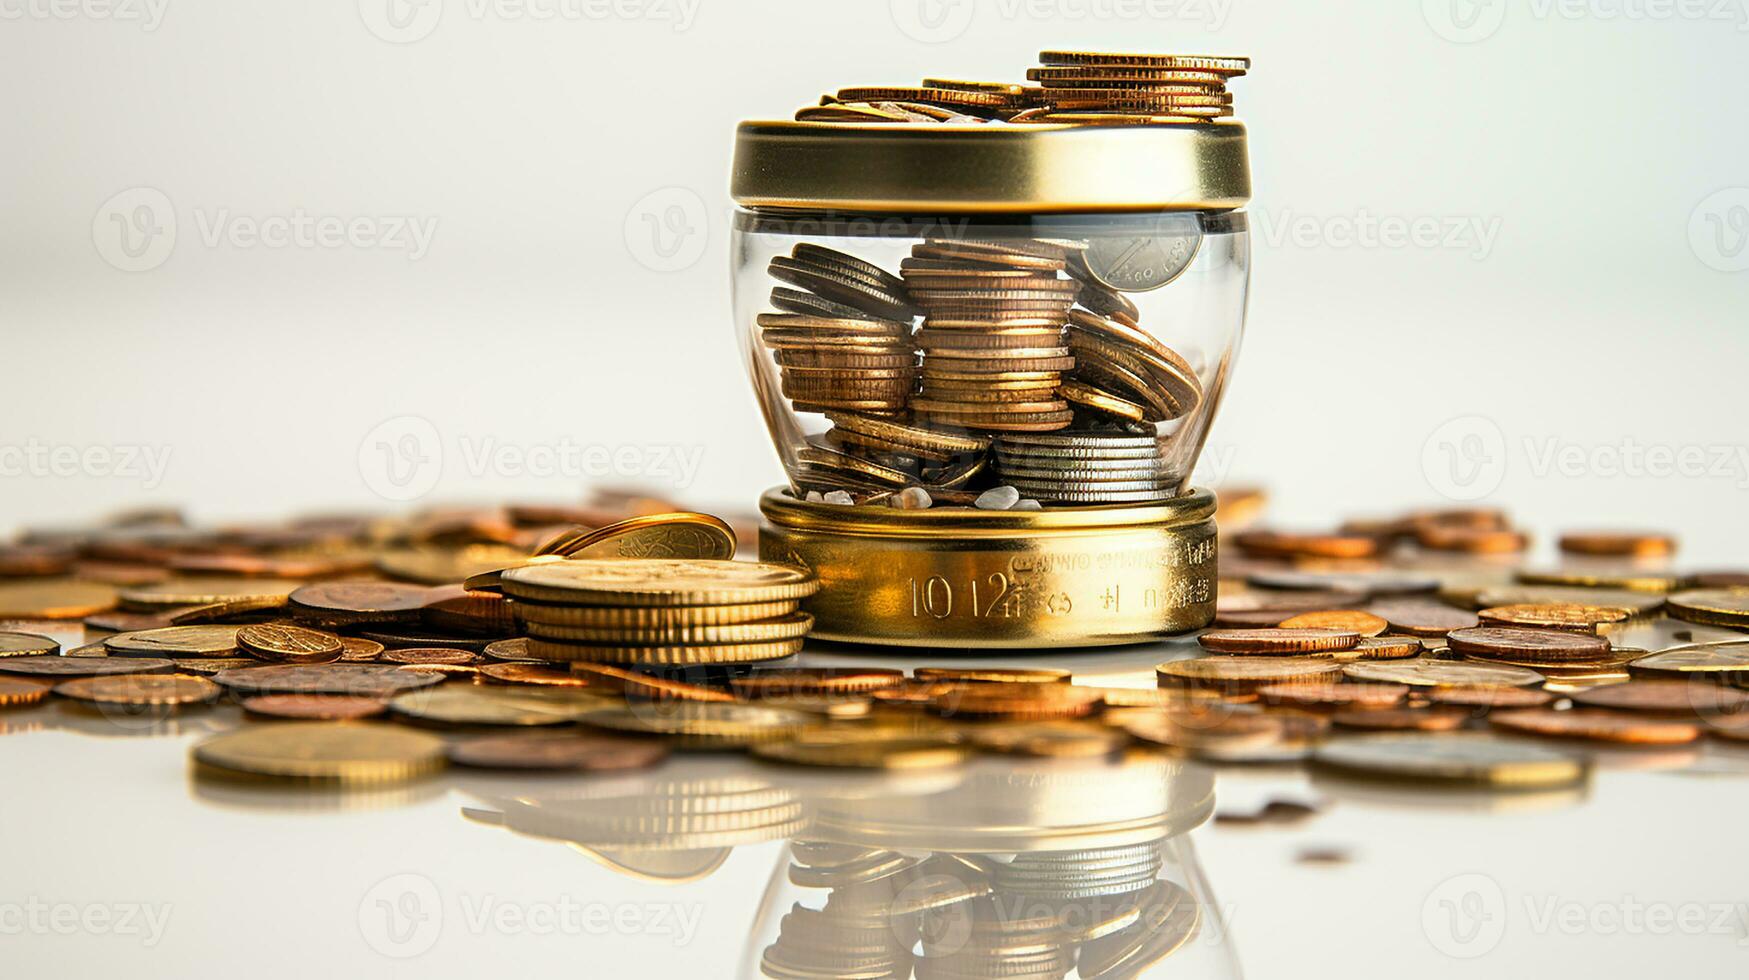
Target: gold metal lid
pixel 992 168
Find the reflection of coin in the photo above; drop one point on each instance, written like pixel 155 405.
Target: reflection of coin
pixel 343 752
pixel 1596 725
pixel 1475 759
pixel 18 694
pixel 583 753
pixel 1680 698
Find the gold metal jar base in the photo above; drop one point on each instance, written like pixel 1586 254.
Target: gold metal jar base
pixel 1000 580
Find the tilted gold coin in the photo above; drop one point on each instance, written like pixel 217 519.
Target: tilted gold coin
pixel 1440 673
pixel 141 690
pixel 660 582
pixel 1697 697
pixel 1711 607
pixel 19 694
pixel 428 656
pixel 357 649
pixel 543 675
pixel 1472 759
pixel 325 752
pixel 634 684
pixel 54 599
pixel 514 707
pixel 291 644
pixel 1383 648
pixel 682 534
pixel 208 590
pixel 541 649
pixel 1724 661
pixel 793 626
pixel 170 641
pixel 702 725
pixel 27 645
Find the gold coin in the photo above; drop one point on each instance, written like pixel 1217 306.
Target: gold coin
pixel 1223 65
pixel 505 706
pixel 207 591
pixel 1472 759
pixel 291 644
pixel 653 617
pixel 843 748
pixel 141 690
pixel 793 626
pixel 701 725
pixel 1440 673
pixel 1048 740
pixel 1595 725
pixel 344 753
pixel 187 641
pixel 1112 75
pixel 541 649
pixel 998 675
pixel 1278 641
pixel 1088 396
pixel 429 657
pixel 27 645
pixel 357 649
pixel 1631 580
pixel 1725 660
pixel 1552 615
pixel 969 98
pixel 19 694
pixel 660 582
pixel 868 469
pixel 54 599
pixel 1711 607
pixel 1352 620
pixel 1619 544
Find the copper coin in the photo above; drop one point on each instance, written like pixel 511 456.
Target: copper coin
pixel 122 621
pixel 1423 618
pixel 52 666
pixel 1333 694
pixel 1428 672
pixel 542 674
pixel 423 656
pixel 53 599
pixel 355 680
pixel 1552 615
pixel 1016 700
pixel 314 707
pixel 1349 620
pixel 141 690
pixel 554 751
pixel 18 694
pixel 337 603
pixel 1278 641
pixel 636 684
pixel 1244 674
pixel 1284 544
pixel 357 650
pixel 1679 698
pixel 1400 719
pixel 1603 726
pixel 289 644
pixel 513 649
pixel 1490 696
pixel 1383 648
pixel 27 645
pixel 1528 645
pixel 1000 675
pixel 1624 544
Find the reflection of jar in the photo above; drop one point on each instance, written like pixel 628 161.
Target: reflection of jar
pixel 1026 330
pixel 1005 874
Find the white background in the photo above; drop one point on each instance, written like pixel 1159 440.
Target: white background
pixel 1580 140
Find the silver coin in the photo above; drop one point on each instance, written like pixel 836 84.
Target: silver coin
pixel 1086 473
pixel 1089 485
pixel 1025 442
pixel 1143 263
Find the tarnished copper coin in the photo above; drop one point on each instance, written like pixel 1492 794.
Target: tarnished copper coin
pixel 1488 696
pixel 1602 726
pixel 1552 615
pixel 1419 617
pixel 122 621
pixel 1528 645
pixel 423 656
pixel 70 666
pixel 1278 641
pixel 356 680
pixel 18 694
pixel 314 707
pixel 289 644
pixel 1333 694
pixel 27 645
pixel 1473 759
pixel 553 751
pixel 1621 544
pixel 1685 699
pixel 1346 620
pixel 1400 719
pixel 141 690
pixel 348 602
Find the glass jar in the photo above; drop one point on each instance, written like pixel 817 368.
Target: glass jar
pixel 1021 332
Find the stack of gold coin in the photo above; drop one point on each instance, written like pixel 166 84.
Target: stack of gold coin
pixel 992 334
pixel 1083 467
pixel 1123 374
pixel 842 338
pixel 936 100
pixel 656 612
pixel 1094 88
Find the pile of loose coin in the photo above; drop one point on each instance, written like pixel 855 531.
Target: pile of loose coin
pixel 1073 87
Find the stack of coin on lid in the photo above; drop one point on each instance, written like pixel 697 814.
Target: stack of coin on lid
pixel 1083 467
pixel 937 100
pixel 661 612
pixel 1108 88
pixel 992 334
pixel 842 333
